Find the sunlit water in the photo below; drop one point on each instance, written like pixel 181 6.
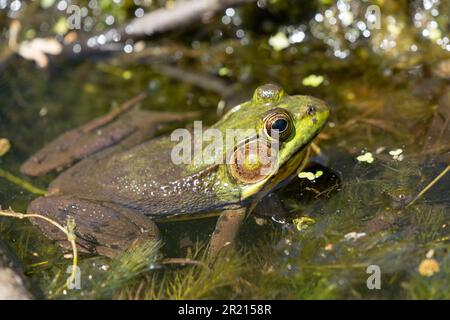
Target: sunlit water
pixel 388 86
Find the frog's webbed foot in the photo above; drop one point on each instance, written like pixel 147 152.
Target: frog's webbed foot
pixel 101 228
pixel 226 230
pixel 126 125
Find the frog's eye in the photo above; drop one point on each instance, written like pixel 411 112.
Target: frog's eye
pixel 268 93
pixel 278 123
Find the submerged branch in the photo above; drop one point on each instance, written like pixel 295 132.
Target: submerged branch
pixel 181 15
pixel 21 183
pixel 160 21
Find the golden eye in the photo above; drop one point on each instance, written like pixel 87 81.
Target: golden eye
pixel 278 120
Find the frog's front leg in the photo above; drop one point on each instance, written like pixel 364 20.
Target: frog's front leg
pixel 227 227
pixel 101 228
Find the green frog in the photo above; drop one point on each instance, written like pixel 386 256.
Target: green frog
pixel 122 182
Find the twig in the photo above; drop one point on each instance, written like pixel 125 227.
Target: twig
pixel 183 261
pixel 127 105
pixel 69 231
pixel 72 238
pixel 159 21
pixel 22 183
pixel 181 15
pixel 203 81
pixel 432 183
pixel 336 266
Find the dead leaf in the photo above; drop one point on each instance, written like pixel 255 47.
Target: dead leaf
pixel 37 49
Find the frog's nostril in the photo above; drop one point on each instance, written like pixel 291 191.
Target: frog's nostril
pixel 311 110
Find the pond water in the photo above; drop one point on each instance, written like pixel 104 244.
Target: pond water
pixel 387 139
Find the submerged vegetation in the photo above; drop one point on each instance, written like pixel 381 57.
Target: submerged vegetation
pixel 389 91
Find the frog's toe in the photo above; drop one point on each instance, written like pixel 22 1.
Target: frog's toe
pixel 101 228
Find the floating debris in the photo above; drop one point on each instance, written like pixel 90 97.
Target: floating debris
pixel 313 80
pixel 366 157
pixel 319 174
pixel 61 26
pixel 127 75
pixel 442 70
pixel 260 221
pixel 279 41
pixel 428 267
pixel 104 267
pixel 36 49
pixel 224 71
pixel 303 223
pixel 309 175
pixel 47 3
pixel 5 145
pixel 397 154
pixel 353 236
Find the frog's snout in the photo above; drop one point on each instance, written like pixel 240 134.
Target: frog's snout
pixel 318 111
pixel 324 112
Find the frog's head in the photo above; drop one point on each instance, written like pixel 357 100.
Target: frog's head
pixel 281 122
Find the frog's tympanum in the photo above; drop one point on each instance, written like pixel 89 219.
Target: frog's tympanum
pixel 123 181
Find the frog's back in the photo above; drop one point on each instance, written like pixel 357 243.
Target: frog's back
pixel 146 179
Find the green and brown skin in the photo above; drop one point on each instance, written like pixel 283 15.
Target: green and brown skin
pixel 115 195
